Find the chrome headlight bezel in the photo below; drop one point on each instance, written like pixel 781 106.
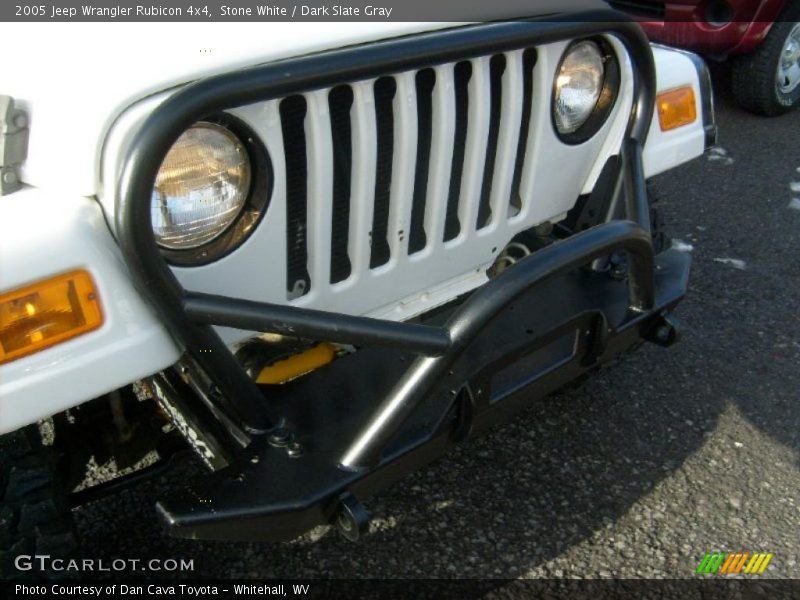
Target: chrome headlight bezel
pixel 609 90
pixel 253 209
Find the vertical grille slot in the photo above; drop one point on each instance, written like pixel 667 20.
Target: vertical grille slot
pixel 528 61
pixel 497 66
pixel 384 92
pixel 462 74
pixel 293 113
pixel 340 102
pixel 425 81
pixel 508 137
pixel 478 109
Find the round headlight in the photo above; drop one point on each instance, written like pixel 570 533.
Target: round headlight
pixel 579 83
pixel 201 187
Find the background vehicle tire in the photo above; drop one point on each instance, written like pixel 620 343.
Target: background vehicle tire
pixel 767 82
pixel 35 517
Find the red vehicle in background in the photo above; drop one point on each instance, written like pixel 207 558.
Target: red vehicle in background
pixel 759 38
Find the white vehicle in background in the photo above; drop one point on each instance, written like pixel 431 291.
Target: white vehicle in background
pixel 320 256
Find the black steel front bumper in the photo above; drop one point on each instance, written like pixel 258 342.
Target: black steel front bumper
pixel 526 333
pixel 300 455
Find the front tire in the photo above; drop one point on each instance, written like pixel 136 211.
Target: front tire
pixel 767 82
pixel 35 517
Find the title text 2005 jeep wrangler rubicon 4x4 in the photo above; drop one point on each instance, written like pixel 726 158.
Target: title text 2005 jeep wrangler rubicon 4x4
pixel 321 259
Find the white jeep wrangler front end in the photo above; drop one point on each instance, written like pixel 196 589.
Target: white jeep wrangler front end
pixel 324 255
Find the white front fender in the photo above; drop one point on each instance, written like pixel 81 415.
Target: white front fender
pixel 665 150
pixel 41 236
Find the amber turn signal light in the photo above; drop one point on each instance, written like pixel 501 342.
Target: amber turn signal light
pixel 47 313
pixel 676 108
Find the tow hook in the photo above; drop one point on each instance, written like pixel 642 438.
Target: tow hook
pixel 352 520
pixel 665 331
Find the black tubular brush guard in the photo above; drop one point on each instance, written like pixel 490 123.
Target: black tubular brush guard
pixel 300 455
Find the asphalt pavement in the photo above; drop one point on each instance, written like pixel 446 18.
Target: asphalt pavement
pixel 657 460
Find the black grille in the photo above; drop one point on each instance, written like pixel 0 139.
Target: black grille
pixel 528 60
pixel 426 79
pixel 340 101
pixel 462 75
pixel 385 89
pixel 295 114
pixel 496 69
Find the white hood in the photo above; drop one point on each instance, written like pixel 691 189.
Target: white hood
pixel 75 79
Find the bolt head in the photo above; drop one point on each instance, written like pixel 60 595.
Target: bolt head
pixel 664 333
pixel 21 120
pixel 294 449
pixel 9 177
pixel 345 522
pixel 618 272
pixel 280 437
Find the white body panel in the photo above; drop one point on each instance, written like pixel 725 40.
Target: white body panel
pixel 666 150
pixel 75 92
pixel 43 235
pixel 81 122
